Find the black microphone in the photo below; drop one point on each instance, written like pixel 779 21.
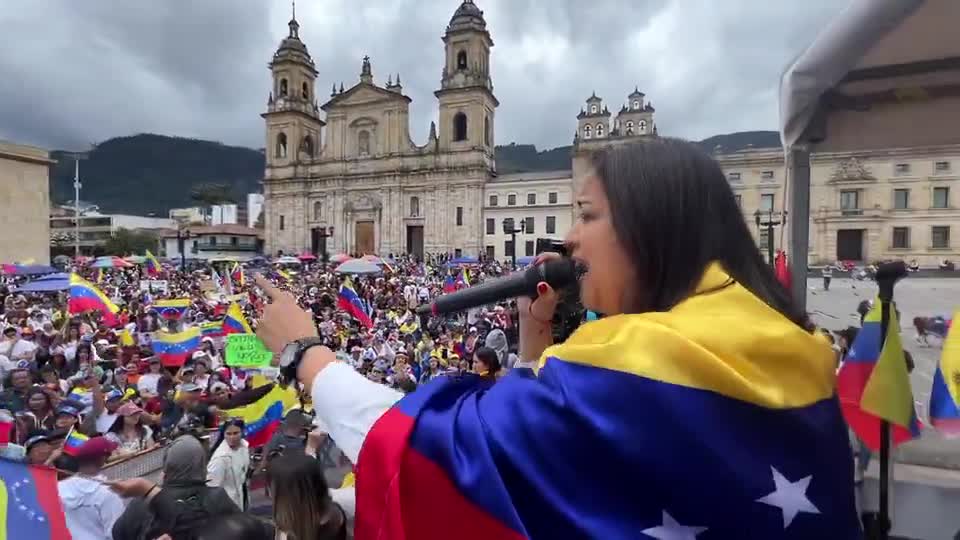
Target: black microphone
pixel 558 273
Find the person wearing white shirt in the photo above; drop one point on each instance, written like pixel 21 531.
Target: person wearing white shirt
pixel 89 506
pixel 147 385
pixel 230 463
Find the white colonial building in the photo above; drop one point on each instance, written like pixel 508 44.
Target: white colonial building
pixel 536 205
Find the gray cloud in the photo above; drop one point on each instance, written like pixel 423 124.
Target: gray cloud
pixel 80 72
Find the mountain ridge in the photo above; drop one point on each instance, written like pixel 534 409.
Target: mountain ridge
pixel 148 174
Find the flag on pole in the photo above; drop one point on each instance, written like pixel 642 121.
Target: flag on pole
pixel 873 384
pixel 153 265
pixel 349 301
pixel 85 296
pixel 235 322
pixel 174 349
pixel 30 505
pixel 945 394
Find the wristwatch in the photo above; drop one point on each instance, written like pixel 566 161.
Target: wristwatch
pixel 292 354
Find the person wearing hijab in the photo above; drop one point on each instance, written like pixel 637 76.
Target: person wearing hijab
pixel 184 476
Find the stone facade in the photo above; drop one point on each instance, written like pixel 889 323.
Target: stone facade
pixel 350 165
pixel 24 203
pixel 901 203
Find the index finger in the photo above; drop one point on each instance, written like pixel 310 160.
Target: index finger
pixel 268 288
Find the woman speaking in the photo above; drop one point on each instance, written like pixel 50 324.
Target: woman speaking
pixel 701 406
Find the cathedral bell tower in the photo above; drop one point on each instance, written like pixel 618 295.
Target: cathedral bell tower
pixel 467 103
pixel 292 118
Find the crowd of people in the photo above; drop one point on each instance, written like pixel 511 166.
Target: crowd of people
pixel 68 377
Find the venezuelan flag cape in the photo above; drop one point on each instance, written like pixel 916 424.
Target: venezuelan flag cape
pixel 873 374
pixel 349 301
pixel 85 296
pixel 174 349
pixel 717 418
pixel 30 504
pixel 262 418
pixel 945 394
pixel 235 322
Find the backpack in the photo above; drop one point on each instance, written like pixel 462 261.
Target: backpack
pixel 186 522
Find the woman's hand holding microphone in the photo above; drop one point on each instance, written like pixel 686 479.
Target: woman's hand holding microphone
pixel 536 316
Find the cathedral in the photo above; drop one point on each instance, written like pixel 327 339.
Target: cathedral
pixel 345 176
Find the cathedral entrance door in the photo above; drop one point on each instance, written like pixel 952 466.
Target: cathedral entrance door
pixel 415 241
pixel 363 233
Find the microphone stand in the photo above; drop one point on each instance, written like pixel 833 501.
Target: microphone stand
pixel 887 276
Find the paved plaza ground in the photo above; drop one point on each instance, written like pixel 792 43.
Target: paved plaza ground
pixel 836 309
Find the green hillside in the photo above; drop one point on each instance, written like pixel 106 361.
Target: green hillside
pixel 150 174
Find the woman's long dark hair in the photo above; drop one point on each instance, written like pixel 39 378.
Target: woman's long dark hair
pixel 302 507
pixel 490 358
pixel 674 213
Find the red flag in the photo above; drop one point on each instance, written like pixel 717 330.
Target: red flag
pixel 782 270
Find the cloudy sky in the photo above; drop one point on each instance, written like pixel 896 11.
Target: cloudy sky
pixel 77 72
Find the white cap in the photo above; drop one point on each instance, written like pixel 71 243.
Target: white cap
pixel 199 354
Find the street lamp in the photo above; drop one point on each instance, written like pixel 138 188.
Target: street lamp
pixel 509 228
pixel 323 233
pixel 769 224
pixel 182 235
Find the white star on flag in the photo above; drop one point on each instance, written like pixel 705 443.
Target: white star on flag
pixel 671 530
pixel 789 497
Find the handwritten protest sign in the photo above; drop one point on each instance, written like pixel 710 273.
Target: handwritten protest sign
pixel 247 351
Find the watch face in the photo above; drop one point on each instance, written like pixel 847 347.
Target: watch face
pixel 288 354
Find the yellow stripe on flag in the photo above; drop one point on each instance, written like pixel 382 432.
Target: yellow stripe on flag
pixel 887 393
pixel 950 359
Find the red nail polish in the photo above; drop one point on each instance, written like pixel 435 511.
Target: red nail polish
pixel 541 288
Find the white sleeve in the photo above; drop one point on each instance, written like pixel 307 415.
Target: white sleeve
pixel 111 508
pixel 347 499
pixel 348 404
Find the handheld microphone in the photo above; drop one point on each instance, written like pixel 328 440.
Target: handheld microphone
pixel 558 273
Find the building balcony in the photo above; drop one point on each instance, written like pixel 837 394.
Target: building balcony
pixel 848 214
pixel 226 247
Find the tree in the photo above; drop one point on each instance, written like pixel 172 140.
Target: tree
pixel 127 242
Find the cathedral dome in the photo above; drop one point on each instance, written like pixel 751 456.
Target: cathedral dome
pixel 468 15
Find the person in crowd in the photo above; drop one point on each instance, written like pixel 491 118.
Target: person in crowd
pixel 433 371
pixel 68 415
pixel 14 398
pixel 292 433
pixel 302 506
pixel 229 464
pixel 42 446
pixel 90 507
pixel 486 364
pixel 184 479
pixel 129 432
pixel 106 416
pixel 695 321
pixel 147 385
pixel 40 404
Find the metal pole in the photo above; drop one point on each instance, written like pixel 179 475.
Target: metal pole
pixel 798 167
pixel 76 208
pixel 887 276
pixel 770 239
pixel 513 248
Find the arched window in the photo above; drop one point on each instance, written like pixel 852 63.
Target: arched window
pixel 281 151
pixel 283 87
pixel 630 128
pixel 363 142
pixel 486 131
pixel 587 132
pixel 599 130
pixel 636 105
pixel 593 109
pixel 414 206
pixel 461 60
pixel 305 91
pixel 643 126
pixel 307 146
pixel 317 210
pixel 460 127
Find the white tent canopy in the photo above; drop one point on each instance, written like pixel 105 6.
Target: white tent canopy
pixel 884 74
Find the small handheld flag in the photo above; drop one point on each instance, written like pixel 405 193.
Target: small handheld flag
pixel 75 440
pixel 349 301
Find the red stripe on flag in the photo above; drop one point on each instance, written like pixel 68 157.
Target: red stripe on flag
pixel 45 480
pixel 433 507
